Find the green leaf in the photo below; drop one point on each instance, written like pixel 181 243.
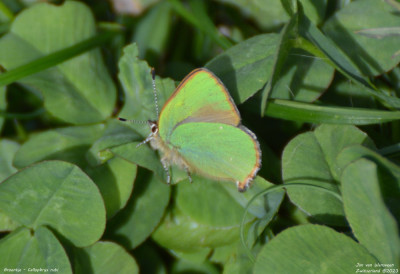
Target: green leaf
pixel 268 198
pixel 266 16
pixel 345 93
pixel 197 257
pixel 315 10
pixel 23 250
pixel 282 51
pixel 143 156
pixel 311 158
pixel 311 249
pixel 233 258
pixel 371 221
pixel 53 59
pixel 132 225
pixel 3 105
pixel 180 233
pixel 115 181
pixel 204 216
pixel 57 194
pixel 184 266
pixel 104 257
pixel 207 202
pixel 151 33
pixel 67 144
pixel 139 103
pixel 275 13
pixel 5 13
pixel 305 77
pixel 114 177
pixel 312 113
pixel 379 33
pixel 245 74
pixel 116 133
pixel 290 6
pixel 7 224
pixel 371 55
pixel 8 149
pixel 328 49
pixel 389 174
pixel 263 208
pixel 78 91
pixel 322 46
pixel 200 20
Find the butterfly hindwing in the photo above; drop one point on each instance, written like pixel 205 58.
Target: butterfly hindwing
pixel 218 151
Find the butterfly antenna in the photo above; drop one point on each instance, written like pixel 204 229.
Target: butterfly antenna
pixel 132 121
pixel 153 77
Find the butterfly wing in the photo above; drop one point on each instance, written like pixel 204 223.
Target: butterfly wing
pixel 218 151
pixel 200 97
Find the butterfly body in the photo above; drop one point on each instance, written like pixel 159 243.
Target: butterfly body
pixel 199 131
pixel 169 154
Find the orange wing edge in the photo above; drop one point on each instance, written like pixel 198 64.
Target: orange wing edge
pixel 244 185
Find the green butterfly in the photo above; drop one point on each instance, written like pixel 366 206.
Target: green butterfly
pixel 199 131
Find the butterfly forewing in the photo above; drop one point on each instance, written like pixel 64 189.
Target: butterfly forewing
pixel 200 97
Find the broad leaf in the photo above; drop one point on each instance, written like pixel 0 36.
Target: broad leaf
pixel 311 249
pixel 57 194
pixel 247 66
pixel 373 55
pixel 7 152
pixel 371 221
pixel 311 158
pixel 104 257
pixel 144 210
pixel 78 91
pixel 23 250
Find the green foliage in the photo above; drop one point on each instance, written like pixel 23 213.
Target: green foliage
pixel 56 194
pixel 311 158
pixel 311 248
pixel 79 196
pixel 74 86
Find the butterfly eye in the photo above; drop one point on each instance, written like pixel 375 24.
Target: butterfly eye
pixel 154 128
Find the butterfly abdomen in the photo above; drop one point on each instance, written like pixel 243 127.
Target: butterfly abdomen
pixel 169 155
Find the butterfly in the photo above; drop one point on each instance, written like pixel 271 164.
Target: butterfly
pixel 199 130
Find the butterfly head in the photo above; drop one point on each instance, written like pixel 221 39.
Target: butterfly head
pixel 153 127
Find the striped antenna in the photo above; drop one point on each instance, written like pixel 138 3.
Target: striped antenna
pixel 132 121
pixel 153 77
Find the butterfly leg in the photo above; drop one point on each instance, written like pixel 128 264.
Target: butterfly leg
pixel 148 139
pixel 166 168
pixel 188 174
